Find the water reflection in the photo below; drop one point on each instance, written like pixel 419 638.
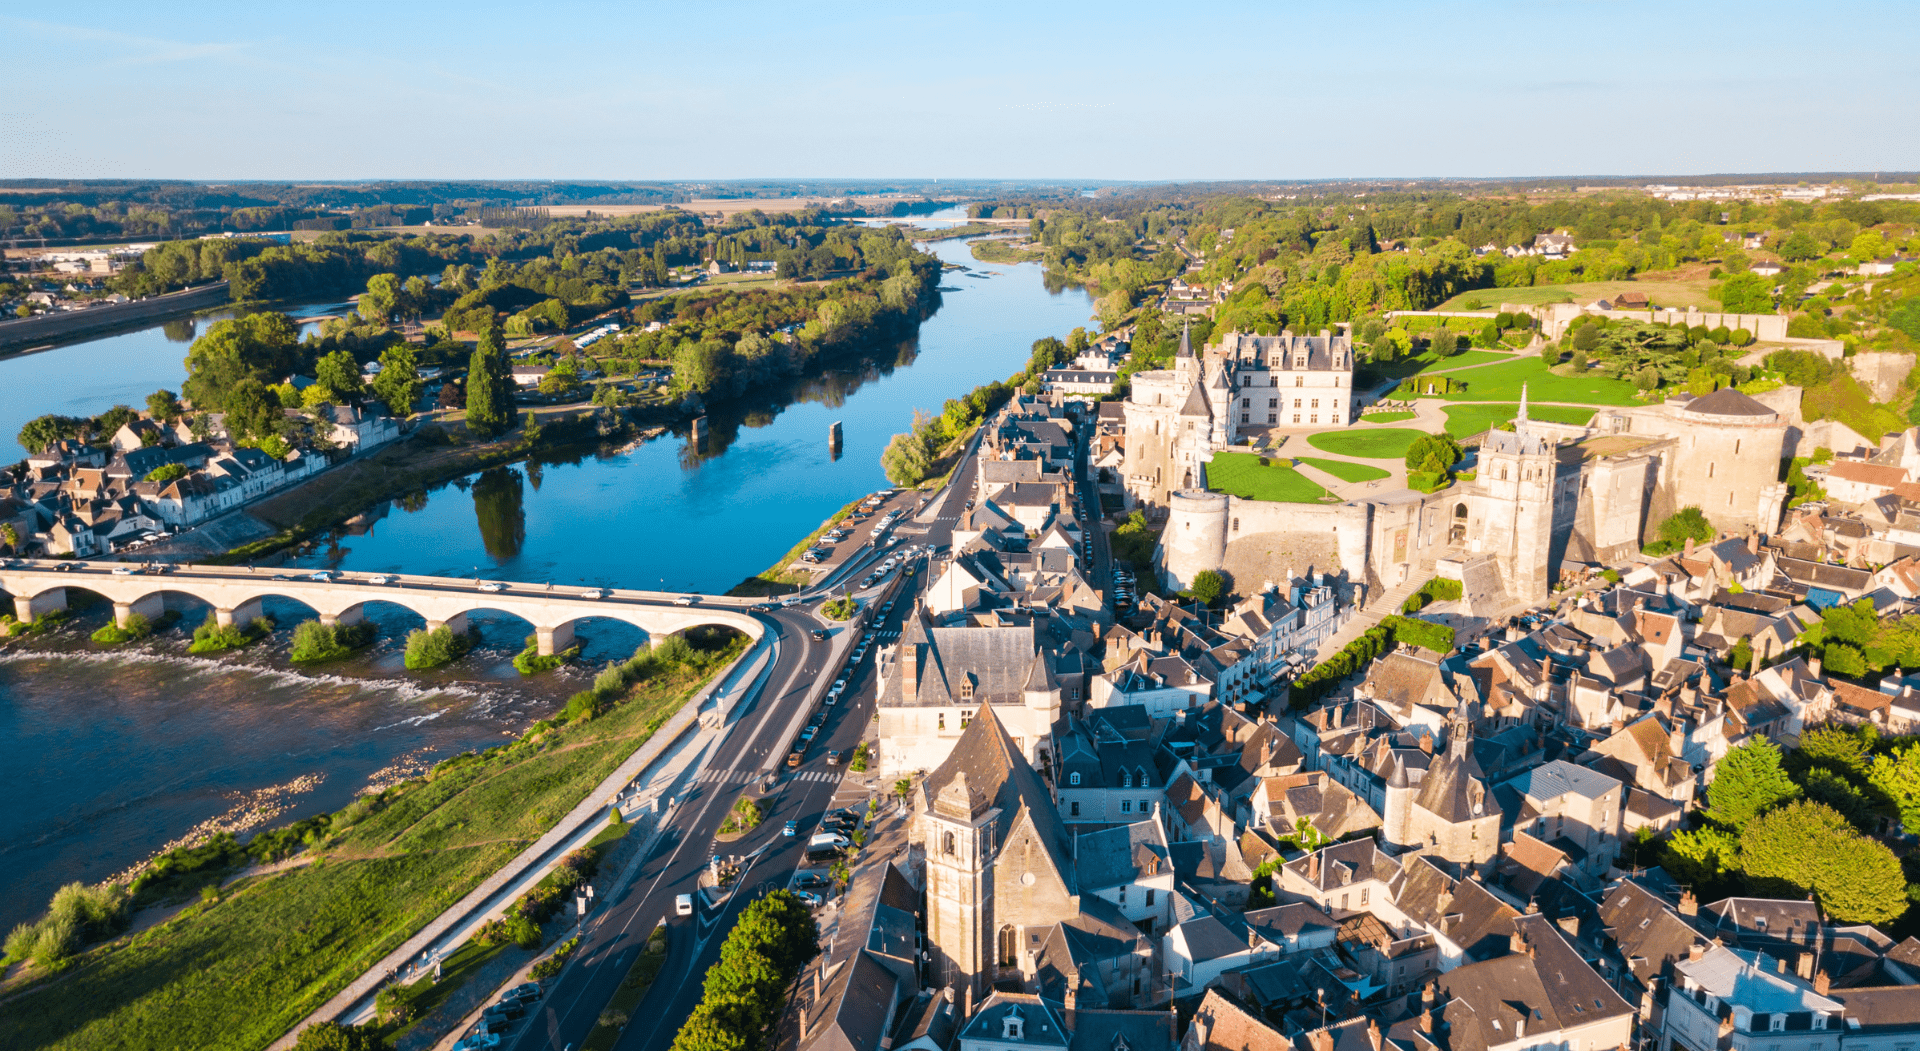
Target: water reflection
pixel 179 330
pixel 499 504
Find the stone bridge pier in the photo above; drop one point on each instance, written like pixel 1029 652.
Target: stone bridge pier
pixel 28 607
pixel 553 640
pixel 148 606
pixel 237 616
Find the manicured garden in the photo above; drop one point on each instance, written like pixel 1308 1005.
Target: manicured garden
pixel 1347 470
pixel 240 968
pixel 1502 383
pixel 1662 293
pixel 1466 359
pixel 1388 417
pixel 1258 478
pixel 1465 420
pixel 1388 444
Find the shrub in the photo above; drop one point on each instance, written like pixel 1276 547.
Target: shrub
pixel 431 649
pixel 839 609
pixel 77 914
pixel 314 641
pixel 210 637
pixel 138 627
pixel 1438 589
pixel 529 661
pixel 550 967
pixel 858 764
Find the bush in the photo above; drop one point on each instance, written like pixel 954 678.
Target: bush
pixel 210 637
pixel 746 814
pixel 77 914
pixel 1209 588
pixel 138 627
pixel 314 641
pixel 550 967
pixel 858 764
pixel 529 661
pixel 839 609
pixel 431 649
pixel 1426 635
pixel 1438 589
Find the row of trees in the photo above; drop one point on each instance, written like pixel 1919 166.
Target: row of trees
pixel 773 938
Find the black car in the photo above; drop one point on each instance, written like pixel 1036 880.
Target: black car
pixel 804 880
pixel 819 634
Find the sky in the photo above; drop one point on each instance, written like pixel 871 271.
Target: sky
pixel 1062 91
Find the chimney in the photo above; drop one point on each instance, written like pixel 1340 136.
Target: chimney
pixel 1072 998
pixel 1373 1033
pixel 1517 941
pixel 1696 951
pixel 1803 965
pixel 1753 543
pixel 1821 983
pixel 1427 995
pixel 1813 666
pixel 1780 965
pixel 1690 906
pixel 1426 1021
pixel 1689 548
pixel 1313 868
pixel 1321 1039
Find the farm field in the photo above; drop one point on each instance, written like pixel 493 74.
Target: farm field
pixel 1388 444
pixel 1347 470
pixel 1245 475
pixel 1662 293
pixel 1502 383
pixel 1466 420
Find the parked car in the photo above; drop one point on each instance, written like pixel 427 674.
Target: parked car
pixel 812 879
pixel 523 993
pixel 809 899
pixel 478 1042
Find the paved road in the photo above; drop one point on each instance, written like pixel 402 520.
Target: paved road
pixel 758 740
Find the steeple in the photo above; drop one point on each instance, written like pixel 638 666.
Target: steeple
pixel 1521 419
pixel 1186 342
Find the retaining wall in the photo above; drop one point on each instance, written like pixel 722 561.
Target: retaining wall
pixel 70 325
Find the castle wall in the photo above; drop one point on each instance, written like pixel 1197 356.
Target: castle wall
pixel 1255 541
pixel 1610 520
pixel 1723 467
pixel 1195 538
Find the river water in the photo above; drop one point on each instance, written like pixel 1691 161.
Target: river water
pixel 115 757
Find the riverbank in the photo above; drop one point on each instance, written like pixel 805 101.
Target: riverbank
pixel 775 580
pixel 239 970
pixel 46 331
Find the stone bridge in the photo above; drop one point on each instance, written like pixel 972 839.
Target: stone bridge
pixel 235 593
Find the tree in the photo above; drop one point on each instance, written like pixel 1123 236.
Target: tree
pixel 399 383
pixel 42 431
pixel 332 1036
pixel 1434 453
pixel 382 298
pixel 490 409
pixel 1809 846
pixel 1209 587
pixel 164 405
pixel 338 376
pixel 1800 245
pixel 1747 781
pixel 262 347
pixel 1742 657
pixel 10 536
pixel 1701 855
pixel 1687 523
pixel 1443 342
pixel 1112 309
pixel 909 457
pixel 1897 777
pixel 1844 660
pixel 1745 293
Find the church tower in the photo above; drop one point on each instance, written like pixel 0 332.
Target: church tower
pixel 958 830
pixel 1517 470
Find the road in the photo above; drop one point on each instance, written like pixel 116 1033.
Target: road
pixel 758 741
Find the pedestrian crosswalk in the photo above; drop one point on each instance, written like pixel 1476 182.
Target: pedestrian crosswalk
pixel 743 775
pixel 885 636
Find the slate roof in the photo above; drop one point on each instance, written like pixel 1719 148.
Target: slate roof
pixel 1123 854
pixel 995 660
pixel 1209 939
pixel 864 994
pixel 1463 911
pixel 1560 778
pixel 993 768
pixel 1223 1024
pixel 1549 990
pixel 1041 1023
pixel 1651 936
pixel 1728 402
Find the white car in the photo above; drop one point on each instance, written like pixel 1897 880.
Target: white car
pixel 683 905
pixel 686 600
pixel 125 571
pixel 594 593
pixel 380 578
pixel 493 585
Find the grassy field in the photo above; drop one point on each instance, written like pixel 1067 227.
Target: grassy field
pixel 1245 475
pixel 1466 359
pixel 1502 383
pixel 1388 444
pixel 1464 420
pixel 1347 470
pixel 1662 293
pixel 995 250
pixel 239 973
pixel 1388 417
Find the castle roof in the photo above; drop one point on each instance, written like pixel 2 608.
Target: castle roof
pixel 1727 402
pixel 1197 404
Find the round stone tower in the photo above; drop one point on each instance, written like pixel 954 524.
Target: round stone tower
pixel 1728 460
pixel 1195 537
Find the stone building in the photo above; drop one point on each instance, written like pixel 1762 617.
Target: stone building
pixel 1452 814
pixel 941 676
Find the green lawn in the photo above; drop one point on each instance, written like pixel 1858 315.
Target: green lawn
pixel 239 974
pixel 1347 470
pixel 1662 293
pixel 1467 359
pixel 1388 417
pixel 1464 420
pixel 1245 475
pixel 1502 383
pixel 1390 443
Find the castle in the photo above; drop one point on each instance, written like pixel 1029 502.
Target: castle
pixel 1542 494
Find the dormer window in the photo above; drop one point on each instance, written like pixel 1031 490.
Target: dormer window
pixel 1012 1026
pixel 1126 779
pixel 966 689
pixel 1073 778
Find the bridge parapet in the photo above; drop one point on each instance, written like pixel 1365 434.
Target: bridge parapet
pixel 235 594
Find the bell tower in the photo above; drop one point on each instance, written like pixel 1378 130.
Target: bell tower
pixel 1517 470
pixel 957 829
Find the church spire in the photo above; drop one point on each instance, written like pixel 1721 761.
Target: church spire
pixel 1522 418
pixel 1186 342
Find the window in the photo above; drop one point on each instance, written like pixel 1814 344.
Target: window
pixel 1729 499
pixel 1123 894
pixel 1316 403
pixel 1296 417
pixel 1273 381
pixel 1150 901
pixel 1736 447
pixel 1236 524
pixel 1243 417
pixel 1273 417
pixel 1363 895
pixel 1146 806
pixel 1776 1022
pixel 943 720
pixel 1343 901
pixel 1073 778
pixel 965 718
pixel 1299 381
pixel 1335 418
pixel 1126 779
pixel 1296 403
pixel 1245 402
pixel 1273 403
pixel 1126 806
pixel 1710 467
pixel 1315 418
pixel 947 844
pixel 1076 808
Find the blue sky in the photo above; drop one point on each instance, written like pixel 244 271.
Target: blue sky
pixel 722 90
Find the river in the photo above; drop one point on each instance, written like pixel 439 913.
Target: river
pixel 117 756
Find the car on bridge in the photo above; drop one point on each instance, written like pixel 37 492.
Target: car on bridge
pixel 594 593
pixel 381 578
pixel 493 585
pixel 325 576
pixel 686 600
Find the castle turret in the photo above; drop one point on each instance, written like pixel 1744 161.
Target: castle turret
pixel 1195 538
pixel 1398 806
